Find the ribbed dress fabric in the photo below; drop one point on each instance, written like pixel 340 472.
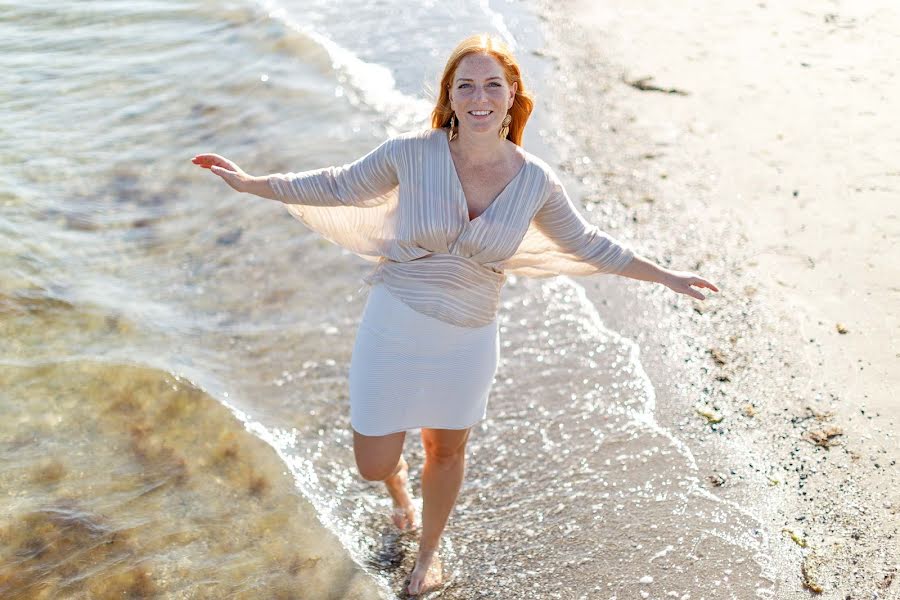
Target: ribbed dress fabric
pixel 409 370
pixel 428 336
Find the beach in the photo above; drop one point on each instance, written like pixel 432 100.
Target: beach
pixel 733 119
pixel 173 377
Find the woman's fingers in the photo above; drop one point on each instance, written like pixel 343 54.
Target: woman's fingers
pixel 207 161
pixel 698 282
pixel 687 284
pixel 224 168
pixel 210 160
pixel 706 284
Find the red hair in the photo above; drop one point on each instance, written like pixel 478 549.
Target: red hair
pixel 523 102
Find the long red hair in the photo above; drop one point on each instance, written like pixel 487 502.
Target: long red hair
pixel 484 43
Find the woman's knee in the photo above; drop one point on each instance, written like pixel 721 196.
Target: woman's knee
pixel 445 447
pixel 378 457
pixel 376 471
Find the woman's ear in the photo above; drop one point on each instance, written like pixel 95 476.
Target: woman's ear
pixel 512 97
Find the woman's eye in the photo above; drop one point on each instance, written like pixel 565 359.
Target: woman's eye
pixel 495 83
pixel 462 85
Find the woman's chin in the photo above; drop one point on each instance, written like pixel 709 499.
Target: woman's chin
pixel 481 126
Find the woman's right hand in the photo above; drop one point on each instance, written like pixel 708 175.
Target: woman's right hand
pixel 224 168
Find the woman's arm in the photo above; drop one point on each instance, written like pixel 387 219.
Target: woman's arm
pixel 560 220
pixel 360 183
pixel 680 281
pixel 234 176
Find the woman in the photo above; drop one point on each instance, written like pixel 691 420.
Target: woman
pixel 446 212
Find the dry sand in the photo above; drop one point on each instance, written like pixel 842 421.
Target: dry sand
pixel 782 151
pixel 793 107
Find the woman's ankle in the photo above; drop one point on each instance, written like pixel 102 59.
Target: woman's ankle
pixel 426 554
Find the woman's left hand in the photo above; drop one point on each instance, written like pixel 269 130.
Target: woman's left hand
pixel 681 282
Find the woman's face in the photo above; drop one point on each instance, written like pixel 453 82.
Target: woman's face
pixel 479 85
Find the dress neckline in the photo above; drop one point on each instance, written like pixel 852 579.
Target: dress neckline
pixel 462 193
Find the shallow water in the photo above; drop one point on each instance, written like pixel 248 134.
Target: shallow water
pixel 158 327
pixel 130 481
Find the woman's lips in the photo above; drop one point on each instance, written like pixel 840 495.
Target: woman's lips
pixel 481 117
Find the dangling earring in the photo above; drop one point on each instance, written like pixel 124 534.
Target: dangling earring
pixel 504 131
pixel 452 133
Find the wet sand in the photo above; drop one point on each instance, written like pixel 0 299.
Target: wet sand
pixel 187 503
pixel 723 144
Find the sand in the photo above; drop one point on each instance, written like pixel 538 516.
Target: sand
pixel 768 132
pixel 792 107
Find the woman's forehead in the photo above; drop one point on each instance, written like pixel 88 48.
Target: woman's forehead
pixel 478 66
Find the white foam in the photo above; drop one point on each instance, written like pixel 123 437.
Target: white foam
pixel 499 24
pixel 363 83
pixel 372 84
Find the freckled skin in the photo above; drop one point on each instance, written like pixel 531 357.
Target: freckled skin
pixel 479 84
pixel 484 162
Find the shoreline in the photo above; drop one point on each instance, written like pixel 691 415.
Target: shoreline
pixel 191 502
pixel 821 242
pixel 766 378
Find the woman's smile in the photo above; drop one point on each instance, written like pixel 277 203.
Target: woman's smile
pixel 481 115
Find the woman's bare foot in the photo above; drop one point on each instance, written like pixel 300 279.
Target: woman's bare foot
pixel 404 512
pixel 427 575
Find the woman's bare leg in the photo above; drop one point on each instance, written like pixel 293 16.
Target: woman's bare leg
pixel 379 458
pixel 404 513
pixel 442 479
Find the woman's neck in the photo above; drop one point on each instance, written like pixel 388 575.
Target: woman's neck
pixel 480 148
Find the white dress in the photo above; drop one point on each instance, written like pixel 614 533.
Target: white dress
pixel 409 370
pixel 427 348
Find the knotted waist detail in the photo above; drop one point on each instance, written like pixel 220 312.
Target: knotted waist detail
pixel 449 287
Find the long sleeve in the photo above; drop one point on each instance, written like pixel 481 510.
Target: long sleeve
pixel 571 234
pixel 355 205
pixel 363 183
